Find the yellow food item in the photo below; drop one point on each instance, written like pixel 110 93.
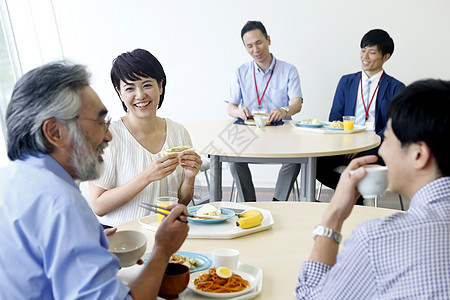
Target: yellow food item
pixel 249 219
pixel 336 124
pixel 223 272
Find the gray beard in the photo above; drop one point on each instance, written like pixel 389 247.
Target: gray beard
pixel 86 166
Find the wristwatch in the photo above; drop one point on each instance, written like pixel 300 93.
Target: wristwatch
pixel 286 109
pixel 328 232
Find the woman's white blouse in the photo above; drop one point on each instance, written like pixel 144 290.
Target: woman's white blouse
pixel 125 158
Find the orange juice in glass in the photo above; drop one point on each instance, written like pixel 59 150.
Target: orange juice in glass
pixel 349 121
pixel 164 202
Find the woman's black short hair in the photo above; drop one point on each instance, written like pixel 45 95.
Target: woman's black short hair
pixel 129 66
pixel 420 112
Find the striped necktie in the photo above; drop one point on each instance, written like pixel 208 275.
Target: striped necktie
pixel 361 113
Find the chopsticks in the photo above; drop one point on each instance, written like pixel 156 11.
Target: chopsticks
pixel 154 208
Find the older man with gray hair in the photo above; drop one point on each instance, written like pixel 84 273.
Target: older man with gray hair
pixel 52 244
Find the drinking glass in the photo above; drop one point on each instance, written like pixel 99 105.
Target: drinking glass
pixel 164 202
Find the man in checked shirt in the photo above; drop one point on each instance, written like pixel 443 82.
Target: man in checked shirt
pixel 406 255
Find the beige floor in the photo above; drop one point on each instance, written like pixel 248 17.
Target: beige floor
pixel 389 200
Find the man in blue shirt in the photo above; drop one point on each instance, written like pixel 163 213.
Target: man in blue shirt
pixel 267 85
pixel 405 255
pixel 52 245
pixel 365 95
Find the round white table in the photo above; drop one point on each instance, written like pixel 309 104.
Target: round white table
pixel 280 250
pixel 224 141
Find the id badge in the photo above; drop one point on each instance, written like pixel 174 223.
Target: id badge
pixel 370 126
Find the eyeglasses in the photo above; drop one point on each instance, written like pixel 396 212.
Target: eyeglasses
pixel 105 123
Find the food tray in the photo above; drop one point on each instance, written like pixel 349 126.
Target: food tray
pixel 128 275
pixel 223 230
pixel 249 269
pixel 252 122
pixel 325 130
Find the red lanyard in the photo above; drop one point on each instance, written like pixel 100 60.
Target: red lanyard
pixel 373 95
pixel 256 86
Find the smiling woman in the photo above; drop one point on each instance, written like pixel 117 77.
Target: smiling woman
pixel 137 166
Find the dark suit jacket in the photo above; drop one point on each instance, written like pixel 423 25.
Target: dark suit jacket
pixel 344 102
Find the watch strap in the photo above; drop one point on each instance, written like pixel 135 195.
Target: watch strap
pixel 327 232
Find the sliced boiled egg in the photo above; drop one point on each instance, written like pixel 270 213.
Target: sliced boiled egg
pixel 223 272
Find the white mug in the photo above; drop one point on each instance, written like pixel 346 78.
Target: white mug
pixel 225 257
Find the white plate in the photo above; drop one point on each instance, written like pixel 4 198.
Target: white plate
pixel 308 125
pixel 251 280
pixel 128 275
pixel 204 260
pixel 327 126
pixel 225 212
pixel 223 230
pixel 330 130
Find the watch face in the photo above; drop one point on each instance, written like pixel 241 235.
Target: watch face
pixel 321 230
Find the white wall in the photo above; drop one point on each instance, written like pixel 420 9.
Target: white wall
pixel 198 43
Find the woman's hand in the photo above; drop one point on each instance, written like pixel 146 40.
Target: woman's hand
pixel 162 167
pixel 191 163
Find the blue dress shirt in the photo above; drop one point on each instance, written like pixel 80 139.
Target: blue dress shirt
pixel 403 256
pixel 52 246
pixel 284 85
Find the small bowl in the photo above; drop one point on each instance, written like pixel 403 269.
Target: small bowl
pixel 375 183
pixel 128 246
pixel 175 280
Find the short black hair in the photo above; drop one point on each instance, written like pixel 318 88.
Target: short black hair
pixel 252 25
pixel 129 66
pixel 420 112
pixel 379 38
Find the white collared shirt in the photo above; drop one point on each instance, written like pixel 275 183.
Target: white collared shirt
pixel 284 86
pixel 373 89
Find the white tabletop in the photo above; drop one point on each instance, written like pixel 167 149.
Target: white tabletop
pixel 279 251
pixel 222 137
pixel 225 141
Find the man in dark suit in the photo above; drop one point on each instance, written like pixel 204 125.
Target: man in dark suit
pixel 365 95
